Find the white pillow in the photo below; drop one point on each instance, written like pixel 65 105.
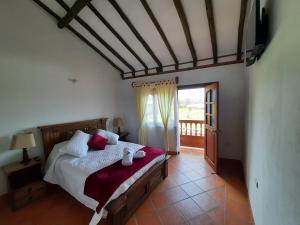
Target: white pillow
pixel 77 145
pixel 111 137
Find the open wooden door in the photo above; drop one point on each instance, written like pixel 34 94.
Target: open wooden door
pixel 211 125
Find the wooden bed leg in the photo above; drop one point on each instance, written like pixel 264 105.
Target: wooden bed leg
pixel 165 169
pixel 119 218
pixel 121 209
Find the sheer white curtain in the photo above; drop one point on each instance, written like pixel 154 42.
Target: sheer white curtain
pixel 154 129
pixel 160 124
pixel 166 94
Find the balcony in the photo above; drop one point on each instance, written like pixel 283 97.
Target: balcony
pixel 192 133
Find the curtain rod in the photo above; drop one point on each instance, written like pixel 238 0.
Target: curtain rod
pixel 139 84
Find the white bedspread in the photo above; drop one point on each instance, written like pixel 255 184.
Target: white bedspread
pixel 70 172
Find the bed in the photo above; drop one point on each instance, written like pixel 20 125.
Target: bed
pixel 70 173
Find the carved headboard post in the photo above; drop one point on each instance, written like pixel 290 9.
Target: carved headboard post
pixel 54 134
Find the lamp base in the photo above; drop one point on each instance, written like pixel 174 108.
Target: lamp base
pixel 25 157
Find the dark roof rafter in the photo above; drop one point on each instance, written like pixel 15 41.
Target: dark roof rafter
pixel 188 68
pixel 241 28
pixel 165 67
pixel 96 35
pixel 72 13
pixel 186 29
pixel 212 29
pixel 47 9
pixel 135 32
pixel 81 37
pixel 107 24
pixel 88 31
pixel 159 29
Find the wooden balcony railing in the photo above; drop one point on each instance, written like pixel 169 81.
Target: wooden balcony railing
pixel 192 133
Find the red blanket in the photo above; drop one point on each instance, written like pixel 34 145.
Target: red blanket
pixel 101 184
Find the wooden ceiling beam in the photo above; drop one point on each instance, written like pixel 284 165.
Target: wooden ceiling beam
pixel 241 28
pixel 97 36
pixel 212 29
pixel 160 30
pixel 47 9
pixel 72 13
pixel 186 29
pixel 187 69
pixel 135 32
pixel 117 35
pixel 187 62
pixel 81 37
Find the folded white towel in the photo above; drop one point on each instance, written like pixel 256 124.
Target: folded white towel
pixel 127 157
pixel 139 154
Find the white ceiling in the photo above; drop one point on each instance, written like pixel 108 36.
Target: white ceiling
pixel 226 15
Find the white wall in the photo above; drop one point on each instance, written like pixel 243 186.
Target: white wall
pixel 36 60
pixel 273 131
pixel 231 81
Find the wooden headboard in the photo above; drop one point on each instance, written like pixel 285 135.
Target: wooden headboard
pixel 54 134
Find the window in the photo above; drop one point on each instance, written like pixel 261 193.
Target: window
pixel 152 114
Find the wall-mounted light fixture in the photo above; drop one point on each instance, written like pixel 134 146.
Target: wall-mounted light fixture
pixel 73 80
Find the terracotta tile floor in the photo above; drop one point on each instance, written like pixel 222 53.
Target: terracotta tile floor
pixel 190 195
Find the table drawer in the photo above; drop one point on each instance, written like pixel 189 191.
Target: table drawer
pixel 19 179
pixel 28 193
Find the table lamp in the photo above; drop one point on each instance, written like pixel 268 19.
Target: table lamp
pixel 118 122
pixel 23 141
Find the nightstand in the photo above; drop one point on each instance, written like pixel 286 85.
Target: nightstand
pixel 123 136
pixel 25 182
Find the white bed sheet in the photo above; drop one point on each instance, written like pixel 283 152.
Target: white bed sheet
pixel 70 172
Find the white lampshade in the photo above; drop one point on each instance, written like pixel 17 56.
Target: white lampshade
pixel 23 141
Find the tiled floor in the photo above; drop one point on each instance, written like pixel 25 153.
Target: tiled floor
pixel 190 195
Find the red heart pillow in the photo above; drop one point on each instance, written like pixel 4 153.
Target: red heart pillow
pixel 97 142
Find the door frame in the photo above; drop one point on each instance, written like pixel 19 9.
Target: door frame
pixel 193 86
pixel 203 85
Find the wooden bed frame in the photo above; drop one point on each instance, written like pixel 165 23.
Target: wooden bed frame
pixel 122 208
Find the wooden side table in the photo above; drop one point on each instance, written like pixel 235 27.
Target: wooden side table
pixel 123 136
pixel 25 182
